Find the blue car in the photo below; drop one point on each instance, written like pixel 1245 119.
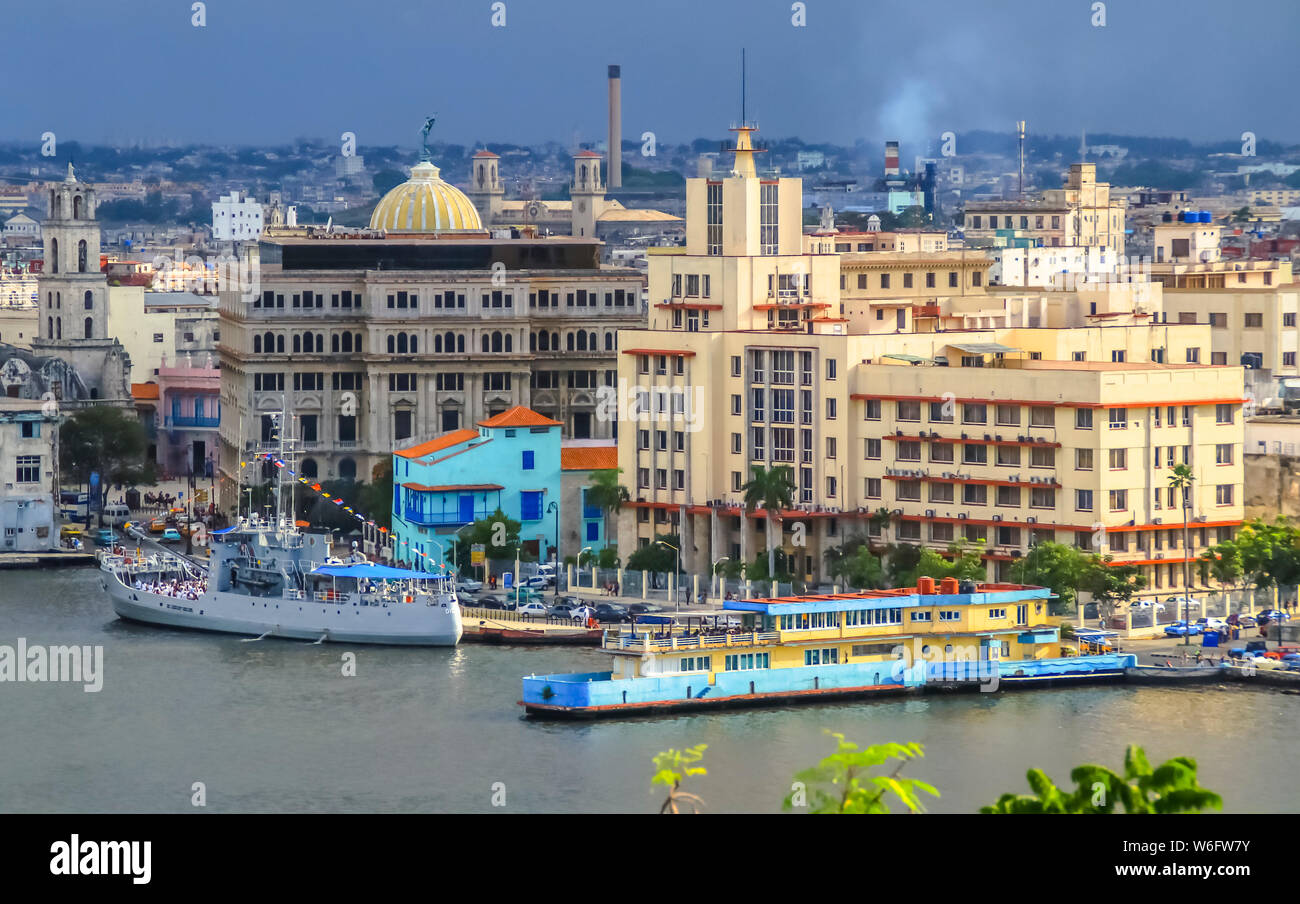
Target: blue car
pixel 1180 629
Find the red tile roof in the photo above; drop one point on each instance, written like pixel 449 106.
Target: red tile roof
pixel 519 416
pixel 451 487
pixel 588 458
pixel 446 441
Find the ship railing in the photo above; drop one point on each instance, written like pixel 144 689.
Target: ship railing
pixel 331 596
pixel 291 594
pixel 648 642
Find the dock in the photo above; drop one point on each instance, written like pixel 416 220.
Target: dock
pixel 52 558
pixel 504 627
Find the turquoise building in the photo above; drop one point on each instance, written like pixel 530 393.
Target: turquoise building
pixel 511 462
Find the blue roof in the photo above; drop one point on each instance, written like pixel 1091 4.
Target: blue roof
pixel 794 605
pixel 373 571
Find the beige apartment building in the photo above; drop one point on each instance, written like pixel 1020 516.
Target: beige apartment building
pixel 1009 435
pixel 1083 213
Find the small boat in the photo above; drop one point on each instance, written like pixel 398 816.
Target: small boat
pixel 578 636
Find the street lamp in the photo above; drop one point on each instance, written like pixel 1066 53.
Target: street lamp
pixel 715 571
pixel 593 567
pixel 443 551
pixel 555 507
pixel 677 599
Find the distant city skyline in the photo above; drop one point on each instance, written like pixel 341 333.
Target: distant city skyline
pixel 264 74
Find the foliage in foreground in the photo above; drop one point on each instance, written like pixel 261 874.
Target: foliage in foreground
pixel 841 783
pixel 671 767
pixel 1169 788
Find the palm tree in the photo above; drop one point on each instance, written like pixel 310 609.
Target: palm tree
pixel 772 488
pixel 1181 480
pixel 608 494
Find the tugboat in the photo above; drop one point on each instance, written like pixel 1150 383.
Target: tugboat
pixel 268 578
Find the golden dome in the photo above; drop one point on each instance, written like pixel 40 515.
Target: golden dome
pixel 424 203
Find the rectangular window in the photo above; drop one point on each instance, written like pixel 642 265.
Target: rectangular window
pixel 28 468
pixel 1118 500
pixel 528 460
pixel 1083 500
pixel 1223 494
pixel 1223 454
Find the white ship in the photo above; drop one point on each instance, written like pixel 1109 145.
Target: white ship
pixel 267 578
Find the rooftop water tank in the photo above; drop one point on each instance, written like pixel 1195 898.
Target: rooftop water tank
pixel 1167 218
pixel 1206 217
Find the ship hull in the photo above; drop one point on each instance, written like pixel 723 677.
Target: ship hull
pixel 399 624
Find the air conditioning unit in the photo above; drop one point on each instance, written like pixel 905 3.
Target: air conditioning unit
pixel 997 517
pixel 988 438
pixel 964 436
pixel 999 437
pixel 963 516
pixel 1156 521
pixel 898 511
pixel 929 513
pixel 1031 520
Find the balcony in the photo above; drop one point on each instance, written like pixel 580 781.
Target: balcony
pixel 181 423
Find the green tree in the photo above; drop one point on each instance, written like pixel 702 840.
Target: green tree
pixel 500 543
pixel 772 488
pixel 106 440
pixel 1222 562
pixel 1171 787
pixel 1111 584
pixel 655 557
pixel 1057 566
pixel 963 562
pixel 855 564
pixel 607 494
pixel 1181 479
pixel 842 783
pixel 1241 215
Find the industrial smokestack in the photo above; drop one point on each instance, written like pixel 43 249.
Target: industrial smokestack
pixel 891 158
pixel 614 178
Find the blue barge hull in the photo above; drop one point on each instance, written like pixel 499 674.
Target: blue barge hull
pixel 593 695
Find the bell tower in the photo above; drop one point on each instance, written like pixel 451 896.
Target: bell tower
pixel 587 192
pixel 485 188
pixel 73 293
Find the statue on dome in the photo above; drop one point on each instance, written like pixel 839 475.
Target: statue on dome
pixel 425 154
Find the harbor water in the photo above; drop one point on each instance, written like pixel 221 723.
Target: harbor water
pixel 277 726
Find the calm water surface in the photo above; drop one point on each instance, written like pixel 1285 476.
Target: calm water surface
pixel 273 726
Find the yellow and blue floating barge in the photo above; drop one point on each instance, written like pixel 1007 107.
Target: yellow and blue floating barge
pixel 829 646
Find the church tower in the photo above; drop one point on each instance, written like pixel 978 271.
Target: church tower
pixel 73 294
pixel 587 192
pixel 485 188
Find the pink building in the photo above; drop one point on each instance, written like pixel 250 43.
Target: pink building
pixel 189 408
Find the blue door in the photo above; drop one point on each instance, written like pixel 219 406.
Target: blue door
pixel 466 507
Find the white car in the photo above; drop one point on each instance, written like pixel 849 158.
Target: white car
pixel 582 613
pixel 468 585
pixel 533 608
pixel 538 582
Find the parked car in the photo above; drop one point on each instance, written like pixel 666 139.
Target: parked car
pixel 1273 615
pixel 158 525
pixel 644 609
pixel 1181 629
pixel 582 613
pixel 106 536
pixel 532 608
pixel 468 585
pixel 490 602
pixel 538 582
pixel 1177 602
pixel 170 535
pixel 1212 624
pixel 69 532
pixel 608 612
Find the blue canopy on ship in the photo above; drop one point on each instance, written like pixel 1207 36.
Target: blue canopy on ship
pixel 373 572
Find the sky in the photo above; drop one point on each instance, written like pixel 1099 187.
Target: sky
pixel 264 72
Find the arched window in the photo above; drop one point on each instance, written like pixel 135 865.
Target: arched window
pixel 356 342
pixel 50 331
pixel 510 342
pixel 449 343
pixel 496 342
pixel 437 342
pixel 81 255
pixel 56 206
pixel 90 328
pixel 309 468
pixel 54 253
pixel 591 342
pixel 58 300
pixel 76 210
pixel 609 342
pixel 401 343
pixel 90 300
pixel 582 342
pixel 555 342
pixel 268 343
pixel 532 342
pixel 347 342
pixel 347 469
pixel 257 345
pixel 58 328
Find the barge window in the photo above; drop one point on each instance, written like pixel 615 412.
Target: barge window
pixel 696 664
pixel 949 615
pixel 829 656
pixel 746 661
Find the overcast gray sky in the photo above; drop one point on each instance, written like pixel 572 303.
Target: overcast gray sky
pixel 265 71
